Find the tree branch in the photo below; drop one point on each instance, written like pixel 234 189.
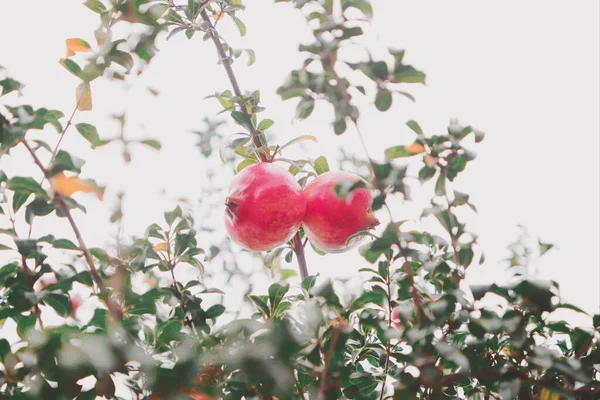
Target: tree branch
pixel 234 83
pixel 323 387
pixel 113 307
pixel 298 248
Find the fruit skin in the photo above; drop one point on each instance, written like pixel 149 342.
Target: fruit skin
pixel 331 220
pixel 396 317
pixel 76 301
pixel 264 208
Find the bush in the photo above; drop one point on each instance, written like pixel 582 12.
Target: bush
pixel 413 330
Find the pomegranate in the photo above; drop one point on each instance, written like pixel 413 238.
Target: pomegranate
pixel 330 220
pixel 264 208
pixel 76 301
pixel 396 317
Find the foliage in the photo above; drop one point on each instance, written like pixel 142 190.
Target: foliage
pixel 152 340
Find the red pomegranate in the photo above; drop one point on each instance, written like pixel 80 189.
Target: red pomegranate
pixel 264 208
pixel 330 220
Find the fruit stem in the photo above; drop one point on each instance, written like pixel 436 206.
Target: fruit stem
pixel 299 250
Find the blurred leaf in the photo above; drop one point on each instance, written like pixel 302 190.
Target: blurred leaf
pixel 95 5
pixel 71 66
pixel 83 95
pixel 68 185
pixel 305 108
pixel 383 100
pixel 215 311
pixel 155 144
pixel 404 151
pixel 240 25
pixel 76 45
pixel 320 165
pixel 298 140
pixel 26 186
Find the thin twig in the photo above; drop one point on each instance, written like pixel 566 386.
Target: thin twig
pixel 234 83
pixel 62 135
pixel 388 283
pixel 112 306
pixel 323 388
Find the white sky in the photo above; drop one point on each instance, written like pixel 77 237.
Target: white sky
pixel 526 73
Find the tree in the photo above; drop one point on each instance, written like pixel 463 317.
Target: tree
pixel 414 330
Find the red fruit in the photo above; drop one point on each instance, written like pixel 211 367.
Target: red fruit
pixel 331 220
pixel 396 317
pixel 264 208
pixel 76 301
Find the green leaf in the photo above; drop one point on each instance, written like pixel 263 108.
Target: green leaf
pixel 19 199
pixel 240 25
pixel 9 85
pixel 265 124
pixel 4 348
pixel 71 66
pixel 243 120
pixel 276 293
pixel 426 173
pixel 373 297
pixel 320 165
pixel 251 56
pixel 59 302
pixel 261 303
pixel 465 256
pixel 383 100
pixel 63 161
pixel 339 126
pixel 305 108
pixel 408 74
pixel 155 144
pixel 215 311
pixel 440 186
pixel 544 247
pixel 168 331
pixel 89 133
pixel 65 244
pixel 415 127
pixel 26 185
pixel 171 216
pixel 95 5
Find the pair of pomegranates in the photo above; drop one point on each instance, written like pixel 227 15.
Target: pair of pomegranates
pixel 266 206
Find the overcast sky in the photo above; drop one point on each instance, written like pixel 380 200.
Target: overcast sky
pixel 526 73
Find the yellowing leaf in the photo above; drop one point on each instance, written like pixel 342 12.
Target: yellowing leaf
pixel 415 148
pixel 430 160
pixel 83 96
pixel 218 15
pixel 67 185
pixel 74 45
pixel 160 247
pixel 404 151
pixel 298 140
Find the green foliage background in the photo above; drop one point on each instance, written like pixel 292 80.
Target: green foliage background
pixel 316 340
